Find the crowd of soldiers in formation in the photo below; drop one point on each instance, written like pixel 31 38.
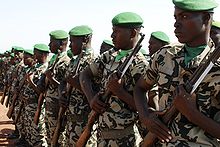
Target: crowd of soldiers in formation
pixel 51 99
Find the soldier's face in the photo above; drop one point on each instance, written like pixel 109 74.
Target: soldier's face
pixel 215 35
pixel 53 45
pixel 154 45
pixel 189 26
pixel 121 37
pixel 76 44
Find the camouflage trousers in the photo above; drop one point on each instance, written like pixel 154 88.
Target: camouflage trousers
pixel 132 140
pixel 75 126
pixel 32 135
pixel 20 123
pixel 51 114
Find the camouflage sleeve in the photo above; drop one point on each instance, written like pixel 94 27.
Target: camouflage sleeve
pixel 97 66
pixel 151 71
pixel 139 65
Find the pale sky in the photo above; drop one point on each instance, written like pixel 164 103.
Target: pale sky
pixel 27 22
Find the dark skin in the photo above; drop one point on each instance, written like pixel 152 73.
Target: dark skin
pixel 55 45
pixel 41 57
pixel 77 44
pixel 191 28
pixel 123 38
pixel 215 35
pixel 155 44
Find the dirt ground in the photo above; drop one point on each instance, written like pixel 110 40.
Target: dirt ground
pixel 6 127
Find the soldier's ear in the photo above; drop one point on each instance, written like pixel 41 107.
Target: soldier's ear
pixel 206 17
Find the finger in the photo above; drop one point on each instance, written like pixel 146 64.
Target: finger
pixel 163 127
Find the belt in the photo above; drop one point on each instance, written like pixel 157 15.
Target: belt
pixel 76 118
pixel 116 134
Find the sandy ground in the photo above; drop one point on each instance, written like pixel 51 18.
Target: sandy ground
pixel 6 127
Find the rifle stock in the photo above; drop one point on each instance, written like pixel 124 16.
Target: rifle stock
pixel 54 142
pixel 4 94
pixel 94 115
pixel 8 97
pixel 197 77
pixel 12 106
pixel 38 111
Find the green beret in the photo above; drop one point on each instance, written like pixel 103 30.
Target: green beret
pixel 29 51
pixel 216 24
pixel 128 20
pixel 80 31
pixel 161 36
pixel 17 48
pixel 58 34
pixel 109 42
pixel 42 47
pixel 196 5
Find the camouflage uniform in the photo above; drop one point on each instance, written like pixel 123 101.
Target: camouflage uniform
pixel 116 124
pixel 52 98
pixel 78 109
pixel 168 70
pixel 20 123
pixel 33 134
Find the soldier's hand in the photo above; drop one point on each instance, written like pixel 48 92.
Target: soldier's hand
pixel 155 126
pixel 115 85
pixel 97 105
pixel 184 102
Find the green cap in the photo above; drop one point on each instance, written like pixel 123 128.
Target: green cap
pixel 196 5
pixel 109 42
pixel 80 31
pixel 216 24
pixel 29 51
pixel 17 48
pixel 161 36
pixel 42 47
pixel 128 20
pixel 58 34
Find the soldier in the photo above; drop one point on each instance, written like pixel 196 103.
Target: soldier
pixel 31 94
pixel 78 106
pixel 215 32
pixel 58 45
pixel 197 123
pixel 115 124
pixel 28 59
pixel 106 45
pixel 157 40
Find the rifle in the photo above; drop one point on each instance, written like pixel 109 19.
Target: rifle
pixel 120 73
pixel 62 109
pixel 14 98
pixel 190 87
pixel 4 94
pixel 6 86
pixel 7 100
pixel 42 95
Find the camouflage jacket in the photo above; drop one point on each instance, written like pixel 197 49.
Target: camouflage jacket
pixel 78 101
pixel 59 72
pixel 118 115
pixel 168 70
pixel 29 93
